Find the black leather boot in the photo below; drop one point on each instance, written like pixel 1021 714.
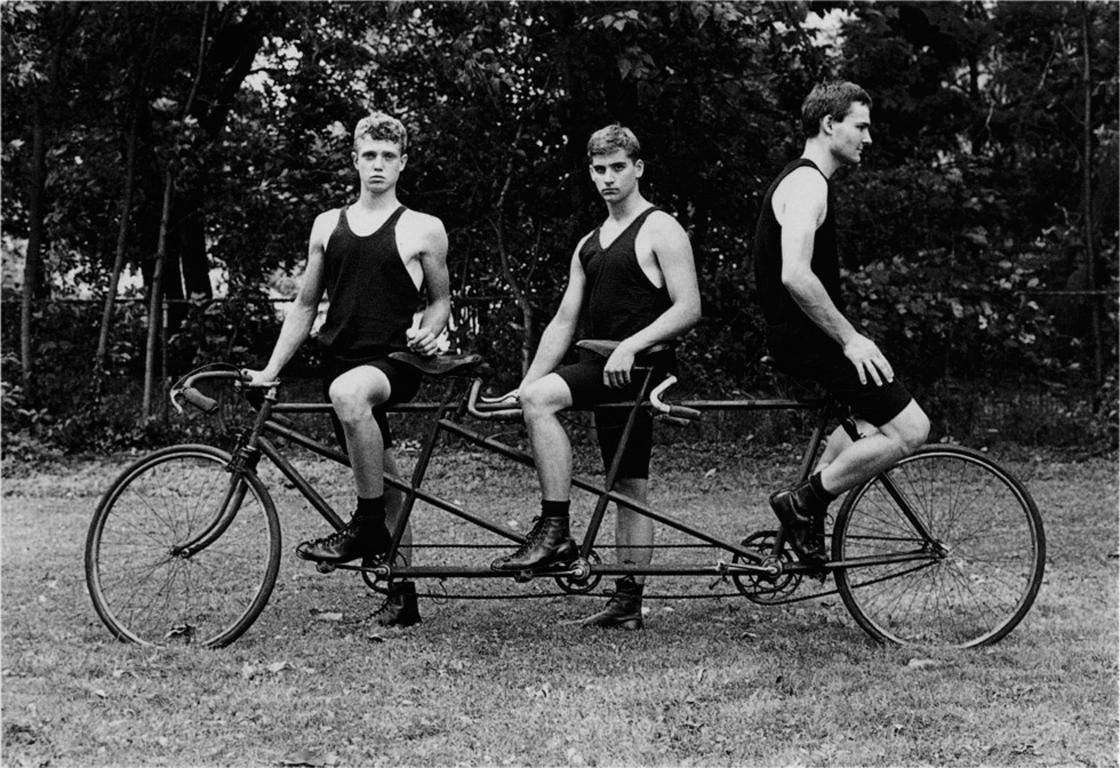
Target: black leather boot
pixel 400 608
pixel 548 543
pixel 802 522
pixel 623 610
pixel 364 538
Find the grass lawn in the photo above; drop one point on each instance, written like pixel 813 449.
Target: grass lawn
pixel 717 681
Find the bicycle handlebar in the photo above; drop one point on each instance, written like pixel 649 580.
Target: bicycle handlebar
pixel 507 407
pixel 186 390
pixel 677 414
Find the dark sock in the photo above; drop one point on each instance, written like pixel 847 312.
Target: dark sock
pixel 370 515
pixel 373 508
pixel 555 508
pixel 823 496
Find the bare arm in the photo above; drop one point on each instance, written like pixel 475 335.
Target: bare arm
pixel 800 209
pixel 433 260
pixel 561 330
pixel 301 316
pixel 673 253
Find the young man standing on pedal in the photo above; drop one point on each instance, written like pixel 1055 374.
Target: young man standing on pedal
pixel 634 281
pixel 376 260
pixel 797 272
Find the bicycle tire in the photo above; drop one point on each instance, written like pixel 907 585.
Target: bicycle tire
pixel 146 593
pixel 986 578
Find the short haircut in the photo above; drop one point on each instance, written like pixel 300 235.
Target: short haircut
pixel 835 99
pixel 381 127
pixel 612 138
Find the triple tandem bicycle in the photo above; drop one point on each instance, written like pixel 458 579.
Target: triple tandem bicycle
pixel 945 548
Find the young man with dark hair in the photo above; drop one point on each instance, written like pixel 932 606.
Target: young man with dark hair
pixel 797 271
pixel 634 280
pixel 376 260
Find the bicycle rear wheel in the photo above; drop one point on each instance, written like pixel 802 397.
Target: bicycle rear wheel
pixel 148 584
pixel 987 553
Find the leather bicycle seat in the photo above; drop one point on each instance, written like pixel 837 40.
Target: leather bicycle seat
pixel 439 365
pixel 605 348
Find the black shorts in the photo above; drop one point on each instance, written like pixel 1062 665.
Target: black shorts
pixel 877 404
pixel 585 382
pixel 404 381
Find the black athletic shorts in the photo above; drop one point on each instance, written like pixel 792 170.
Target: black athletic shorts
pixel 829 368
pixel 404 381
pixel 585 382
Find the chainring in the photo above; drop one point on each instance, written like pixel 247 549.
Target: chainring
pixel 765 590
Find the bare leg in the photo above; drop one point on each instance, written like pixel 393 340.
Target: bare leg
pixel 552 451
pixel 549 541
pixel 839 440
pixel 354 394
pixel 863 459
pixel 633 531
pixel 844 465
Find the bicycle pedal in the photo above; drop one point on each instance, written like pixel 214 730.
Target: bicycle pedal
pixel 552 569
pixel 324 567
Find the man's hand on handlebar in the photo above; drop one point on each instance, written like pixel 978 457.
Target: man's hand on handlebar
pixel 258 378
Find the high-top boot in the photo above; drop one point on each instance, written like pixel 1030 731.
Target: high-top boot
pixel 362 537
pixel 548 543
pixel 623 610
pixel 400 608
pixel 802 518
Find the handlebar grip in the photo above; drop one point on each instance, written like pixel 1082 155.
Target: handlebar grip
pixel 683 412
pixel 205 404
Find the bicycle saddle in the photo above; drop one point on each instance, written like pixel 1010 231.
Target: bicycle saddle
pixel 604 348
pixel 439 365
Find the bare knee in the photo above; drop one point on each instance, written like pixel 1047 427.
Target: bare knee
pixel 911 429
pixel 351 405
pixel 537 401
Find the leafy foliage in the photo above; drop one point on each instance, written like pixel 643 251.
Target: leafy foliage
pixel 960 225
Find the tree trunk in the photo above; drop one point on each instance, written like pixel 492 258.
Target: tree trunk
pixel 155 305
pixel 33 260
pixel 118 258
pixel 1087 180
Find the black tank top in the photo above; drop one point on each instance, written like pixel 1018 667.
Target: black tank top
pixel 620 298
pixel 372 296
pixel 787 325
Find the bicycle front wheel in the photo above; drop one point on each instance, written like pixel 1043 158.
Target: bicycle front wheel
pixel 181 550
pixel 984 554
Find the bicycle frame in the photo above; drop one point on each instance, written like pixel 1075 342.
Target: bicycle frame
pixel 160 545
pixel 448 417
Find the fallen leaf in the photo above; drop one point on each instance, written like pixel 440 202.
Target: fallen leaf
pixel 276 666
pixel 304 757
pixel 922 663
